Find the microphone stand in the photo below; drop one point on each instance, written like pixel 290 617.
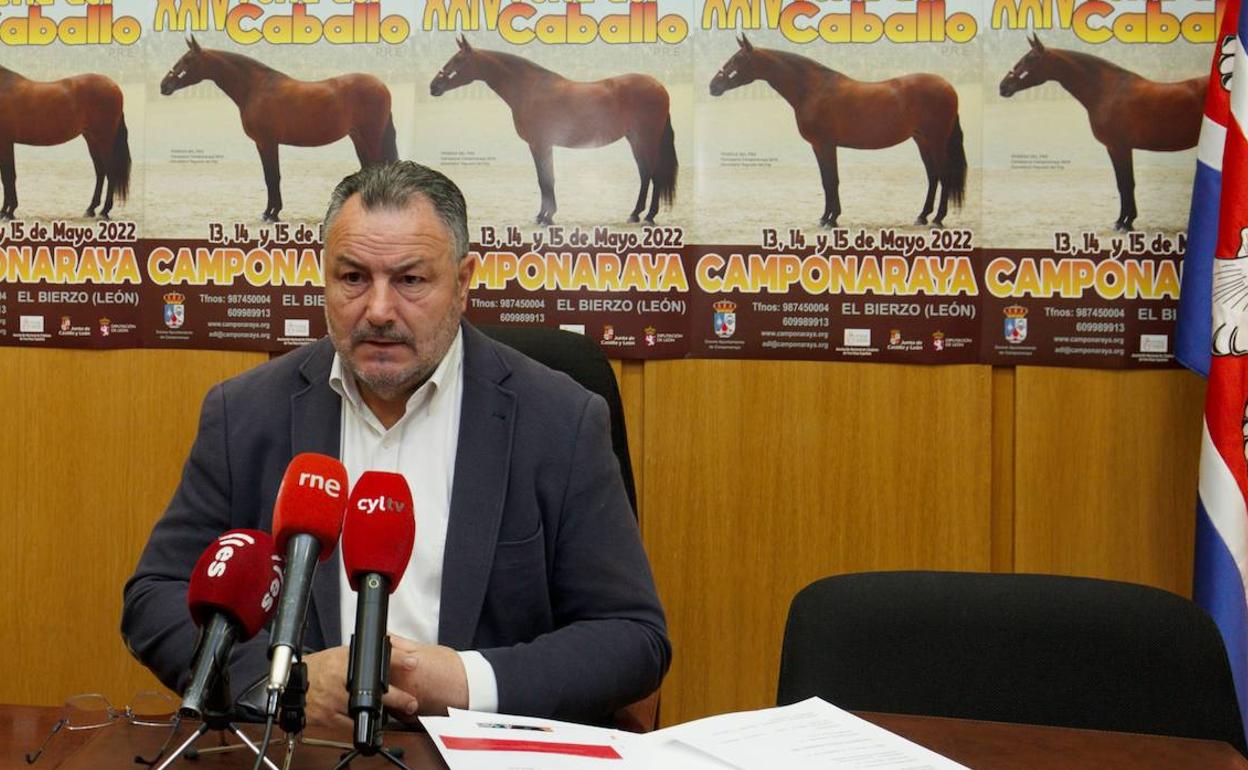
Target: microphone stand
pixel 291 716
pixel 366 706
pixel 216 717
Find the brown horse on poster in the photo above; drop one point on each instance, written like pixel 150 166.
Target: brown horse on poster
pixel 834 110
pixel 45 114
pixel 277 109
pixel 549 110
pixel 1127 112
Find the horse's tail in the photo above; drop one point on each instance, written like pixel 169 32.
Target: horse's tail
pixel 118 171
pixel 389 146
pixel 664 173
pixel 954 175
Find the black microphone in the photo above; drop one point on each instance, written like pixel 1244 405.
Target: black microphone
pixel 233 591
pixel 307 518
pixel 377 536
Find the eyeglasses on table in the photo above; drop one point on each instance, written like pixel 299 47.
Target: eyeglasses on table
pixel 91 711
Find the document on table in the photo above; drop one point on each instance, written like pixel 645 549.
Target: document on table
pixel 809 735
pixel 472 740
pixel 803 736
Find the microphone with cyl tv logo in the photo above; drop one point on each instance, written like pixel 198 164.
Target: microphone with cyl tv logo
pixel 307 518
pixel 233 591
pixel 377 537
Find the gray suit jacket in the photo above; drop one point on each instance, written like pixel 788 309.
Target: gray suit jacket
pixel 544 571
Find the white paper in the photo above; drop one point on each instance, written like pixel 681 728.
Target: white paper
pixel 471 740
pixel 811 735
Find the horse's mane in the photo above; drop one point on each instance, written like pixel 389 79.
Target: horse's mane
pixel 1087 58
pixel 246 61
pixel 511 59
pixel 799 60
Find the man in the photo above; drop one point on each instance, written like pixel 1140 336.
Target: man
pixel 528 590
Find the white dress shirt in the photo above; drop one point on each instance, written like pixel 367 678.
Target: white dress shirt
pixel 421 446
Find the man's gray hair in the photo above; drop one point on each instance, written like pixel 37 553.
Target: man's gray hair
pixel 393 186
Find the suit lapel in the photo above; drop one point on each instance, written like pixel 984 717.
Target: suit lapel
pixel 315 426
pixel 482 465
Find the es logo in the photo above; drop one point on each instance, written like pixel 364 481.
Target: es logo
pixel 275 585
pixel 229 542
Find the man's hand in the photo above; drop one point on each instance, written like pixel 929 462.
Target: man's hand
pixel 327 689
pixel 435 674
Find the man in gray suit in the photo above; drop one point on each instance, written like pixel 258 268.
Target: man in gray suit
pixel 528 590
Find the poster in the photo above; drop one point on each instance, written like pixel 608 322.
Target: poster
pixel 919 181
pixel 838 180
pixel 1092 112
pixel 567 125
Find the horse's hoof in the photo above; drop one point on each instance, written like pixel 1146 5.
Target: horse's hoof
pixel 633 218
pixel 89 213
pixel 939 225
pixel 6 215
pixel 920 220
pixel 649 220
pixel 105 218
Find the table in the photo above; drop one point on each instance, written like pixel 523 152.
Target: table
pixel 978 745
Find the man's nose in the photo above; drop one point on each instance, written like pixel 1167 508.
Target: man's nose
pixel 380 308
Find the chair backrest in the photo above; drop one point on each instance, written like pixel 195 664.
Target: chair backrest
pixel 1037 649
pixel 581 359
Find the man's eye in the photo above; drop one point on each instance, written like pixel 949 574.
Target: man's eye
pixel 352 278
pixel 412 280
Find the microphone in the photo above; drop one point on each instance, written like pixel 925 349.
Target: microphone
pixel 233 592
pixel 377 540
pixel 306 520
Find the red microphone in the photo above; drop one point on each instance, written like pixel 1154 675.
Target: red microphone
pixel 233 591
pixel 306 520
pixel 377 538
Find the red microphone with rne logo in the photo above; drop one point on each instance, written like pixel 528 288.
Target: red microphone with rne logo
pixel 233 592
pixel 307 517
pixel 377 538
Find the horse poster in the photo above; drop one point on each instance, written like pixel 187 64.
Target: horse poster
pixel 838 182
pixel 71 124
pixel 1090 134
pixel 255 115
pixel 566 127
pixel 920 181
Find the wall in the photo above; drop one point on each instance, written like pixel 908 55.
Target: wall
pixel 754 479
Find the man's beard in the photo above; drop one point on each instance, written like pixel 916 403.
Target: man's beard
pixel 390 385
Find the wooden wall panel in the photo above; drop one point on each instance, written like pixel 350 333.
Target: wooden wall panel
pixel 1105 473
pixel 754 478
pixel 762 476
pixel 94 444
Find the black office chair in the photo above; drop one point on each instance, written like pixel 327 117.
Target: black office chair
pixel 581 359
pixel 1037 649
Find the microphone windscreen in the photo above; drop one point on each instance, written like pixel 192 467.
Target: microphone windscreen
pixel 311 501
pixel 238 575
pixel 379 528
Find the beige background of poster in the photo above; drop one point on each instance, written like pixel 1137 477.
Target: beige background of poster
pixel 468 133
pixel 1024 207
pixel 55 182
pixel 878 188
pixel 226 183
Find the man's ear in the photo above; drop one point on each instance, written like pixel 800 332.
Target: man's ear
pixel 463 272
